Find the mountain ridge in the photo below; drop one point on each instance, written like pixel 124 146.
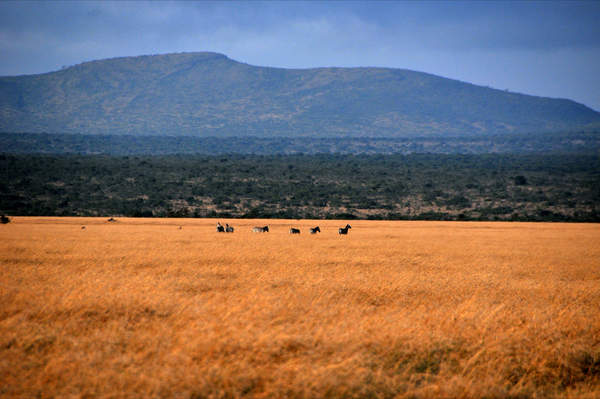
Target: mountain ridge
pixel 208 94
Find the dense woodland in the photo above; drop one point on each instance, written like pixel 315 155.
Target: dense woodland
pixel 418 186
pixel 582 141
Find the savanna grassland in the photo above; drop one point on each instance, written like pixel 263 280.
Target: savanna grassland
pixel 144 308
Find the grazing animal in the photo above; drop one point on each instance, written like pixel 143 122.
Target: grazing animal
pixel 228 228
pixel 315 230
pixel 344 230
pixel 220 228
pixel 260 229
pixel 112 220
pixel 294 231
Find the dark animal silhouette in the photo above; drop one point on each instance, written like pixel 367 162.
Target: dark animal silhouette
pixel 344 230
pixel 314 230
pixel 220 228
pixel 228 228
pixel 111 220
pixel 4 219
pixel 260 229
pixel 294 231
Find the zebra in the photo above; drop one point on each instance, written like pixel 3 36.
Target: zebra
pixel 344 230
pixel 260 229
pixel 314 230
pixel 228 228
pixel 220 228
pixel 294 231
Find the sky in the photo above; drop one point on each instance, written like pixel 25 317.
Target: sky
pixel 543 48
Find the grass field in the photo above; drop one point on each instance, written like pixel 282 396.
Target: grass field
pixel 142 308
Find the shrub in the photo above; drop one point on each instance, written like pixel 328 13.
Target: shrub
pixel 520 180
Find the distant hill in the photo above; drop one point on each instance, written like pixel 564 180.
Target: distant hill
pixel 208 94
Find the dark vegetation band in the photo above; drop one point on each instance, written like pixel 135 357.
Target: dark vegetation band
pixel 583 141
pixel 432 187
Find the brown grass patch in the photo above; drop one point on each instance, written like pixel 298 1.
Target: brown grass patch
pixel 395 309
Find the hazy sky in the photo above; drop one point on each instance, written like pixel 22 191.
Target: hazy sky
pixel 543 48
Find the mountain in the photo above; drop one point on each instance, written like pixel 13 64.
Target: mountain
pixel 208 94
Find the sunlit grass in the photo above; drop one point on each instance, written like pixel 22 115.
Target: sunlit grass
pixel 395 309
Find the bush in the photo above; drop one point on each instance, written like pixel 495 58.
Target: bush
pixel 520 180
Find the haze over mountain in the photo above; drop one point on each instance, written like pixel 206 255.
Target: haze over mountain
pixel 208 94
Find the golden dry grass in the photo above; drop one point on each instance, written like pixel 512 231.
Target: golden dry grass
pixel 140 308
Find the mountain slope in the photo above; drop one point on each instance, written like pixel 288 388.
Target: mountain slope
pixel 208 94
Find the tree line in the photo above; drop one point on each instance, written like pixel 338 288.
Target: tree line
pixel 587 142
pixel 417 186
